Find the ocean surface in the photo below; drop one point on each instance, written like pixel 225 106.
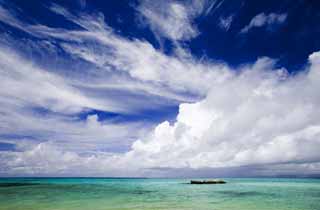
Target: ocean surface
pixel 114 193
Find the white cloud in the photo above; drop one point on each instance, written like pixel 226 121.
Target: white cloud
pixel 147 69
pixel 171 21
pixel 26 87
pixel 30 84
pixel 262 19
pixel 256 115
pixel 174 19
pixel 46 158
pixel 117 57
pixel 8 17
pixel 138 58
pixel 259 117
pixel 255 118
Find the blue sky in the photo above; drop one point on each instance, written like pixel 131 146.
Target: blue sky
pixel 159 88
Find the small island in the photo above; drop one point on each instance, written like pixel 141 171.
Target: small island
pixel 217 181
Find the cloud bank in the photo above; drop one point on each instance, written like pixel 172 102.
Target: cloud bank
pixel 260 116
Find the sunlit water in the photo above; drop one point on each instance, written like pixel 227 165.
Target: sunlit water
pixel 99 194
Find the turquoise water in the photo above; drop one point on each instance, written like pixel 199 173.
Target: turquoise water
pixel 104 194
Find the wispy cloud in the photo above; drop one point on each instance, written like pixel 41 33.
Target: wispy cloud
pixel 225 22
pixel 137 58
pixel 263 19
pixel 26 88
pixel 174 20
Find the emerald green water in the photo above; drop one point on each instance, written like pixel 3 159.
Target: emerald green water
pixel 104 194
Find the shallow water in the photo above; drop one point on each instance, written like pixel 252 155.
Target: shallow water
pixel 104 194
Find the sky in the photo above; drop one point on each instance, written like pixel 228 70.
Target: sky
pixel 194 88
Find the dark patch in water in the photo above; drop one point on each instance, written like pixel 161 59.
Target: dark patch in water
pixel 315 194
pixel 141 192
pixel 16 184
pixel 243 194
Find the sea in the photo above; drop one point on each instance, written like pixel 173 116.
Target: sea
pixel 153 194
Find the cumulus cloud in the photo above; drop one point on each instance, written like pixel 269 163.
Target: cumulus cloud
pixel 262 20
pixel 259 117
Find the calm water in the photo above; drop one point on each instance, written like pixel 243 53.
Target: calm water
pixel 99 194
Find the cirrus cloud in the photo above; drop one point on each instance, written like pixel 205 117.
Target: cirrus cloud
pixel 262 19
